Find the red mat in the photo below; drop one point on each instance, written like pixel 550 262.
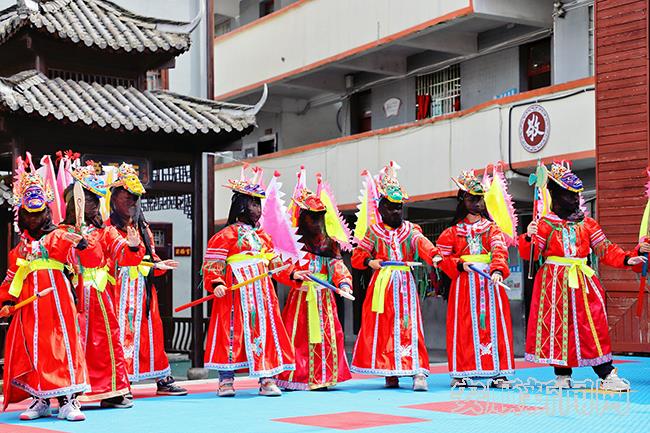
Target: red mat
pixel 350 420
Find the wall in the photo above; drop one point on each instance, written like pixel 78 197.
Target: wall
pixel 401 89
pixel 432 152
pixel 485 77
pixel 317 124
pixel 312 32
pixel 182 236
pixel 571 46
pixel 190 74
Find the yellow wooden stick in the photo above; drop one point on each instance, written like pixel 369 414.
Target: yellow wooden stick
pixel 32 298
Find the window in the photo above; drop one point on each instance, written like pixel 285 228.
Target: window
pixel 158 80
pixel 438 93
pixel 537 57
pixel 90 78
pixel 222 27
pixel 266 145
pixel 266 7
pixel 591 40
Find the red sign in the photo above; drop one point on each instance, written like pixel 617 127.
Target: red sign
pixel 534 128
pixel 182 251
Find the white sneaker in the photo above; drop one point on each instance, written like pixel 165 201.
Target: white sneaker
pixel 562 382
pixel 38 409
pixel 420 383
pixel 268 388
pixel 71 411
pixel 614 383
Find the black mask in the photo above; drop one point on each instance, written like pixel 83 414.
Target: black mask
pixel 391 213
pixel 565 203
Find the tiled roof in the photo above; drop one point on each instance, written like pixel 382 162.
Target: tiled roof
pixel 96 23
pixel 106 106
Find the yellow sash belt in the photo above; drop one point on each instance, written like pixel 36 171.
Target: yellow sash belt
pixel 381 283
pixel 134 271
pixel 238 258
pixel 476 258
pixel 99 277
pixel 313 318
pixel 574 264
pixel 27 267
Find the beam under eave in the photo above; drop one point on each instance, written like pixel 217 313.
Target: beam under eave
pixel 333 83
pixel 538 13
pixel 377 64
pixel 463 43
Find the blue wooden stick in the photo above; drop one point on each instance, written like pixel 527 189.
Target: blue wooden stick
pixel 330 286
pixel 486 275
pixel 398 263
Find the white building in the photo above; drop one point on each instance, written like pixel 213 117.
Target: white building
pixel 437 86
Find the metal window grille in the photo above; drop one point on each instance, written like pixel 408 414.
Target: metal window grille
pixel 444 88
pixel 90 78
pixel 591 40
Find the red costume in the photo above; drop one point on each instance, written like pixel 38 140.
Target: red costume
pixel 315 331
pixel 43 353
pixel 140 332
pixel 100 335
pixel 246 330
pixel 391 340
pixel 479 326
pixel 568 320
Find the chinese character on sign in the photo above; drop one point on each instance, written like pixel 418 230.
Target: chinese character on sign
pixel 534 128
pixel 182 251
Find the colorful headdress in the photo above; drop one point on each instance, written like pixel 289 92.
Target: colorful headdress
pixel 30 191
pixel 307 200
pixel 469 182
pixel 88 178
pixel 388 185
pixel 321 201
pixel 127 178
pixel 244 185
pixel 561 174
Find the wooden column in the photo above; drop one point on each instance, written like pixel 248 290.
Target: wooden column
pixel 197 260
pixel 622 149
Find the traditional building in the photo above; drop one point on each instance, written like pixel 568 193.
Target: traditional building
pixel 74 76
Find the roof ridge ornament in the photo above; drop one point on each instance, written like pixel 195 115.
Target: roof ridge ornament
pixel 27 6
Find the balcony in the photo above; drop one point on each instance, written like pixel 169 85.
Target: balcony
pixel 431 151
pixel 307 49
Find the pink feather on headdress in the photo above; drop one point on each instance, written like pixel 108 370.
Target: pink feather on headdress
pixel 277 224
pixel 49 177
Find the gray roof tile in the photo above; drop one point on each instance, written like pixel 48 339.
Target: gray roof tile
pixel 98 23
pixel 118 107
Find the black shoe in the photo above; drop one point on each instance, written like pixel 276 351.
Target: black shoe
pixel 166 387
pixel 119 402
